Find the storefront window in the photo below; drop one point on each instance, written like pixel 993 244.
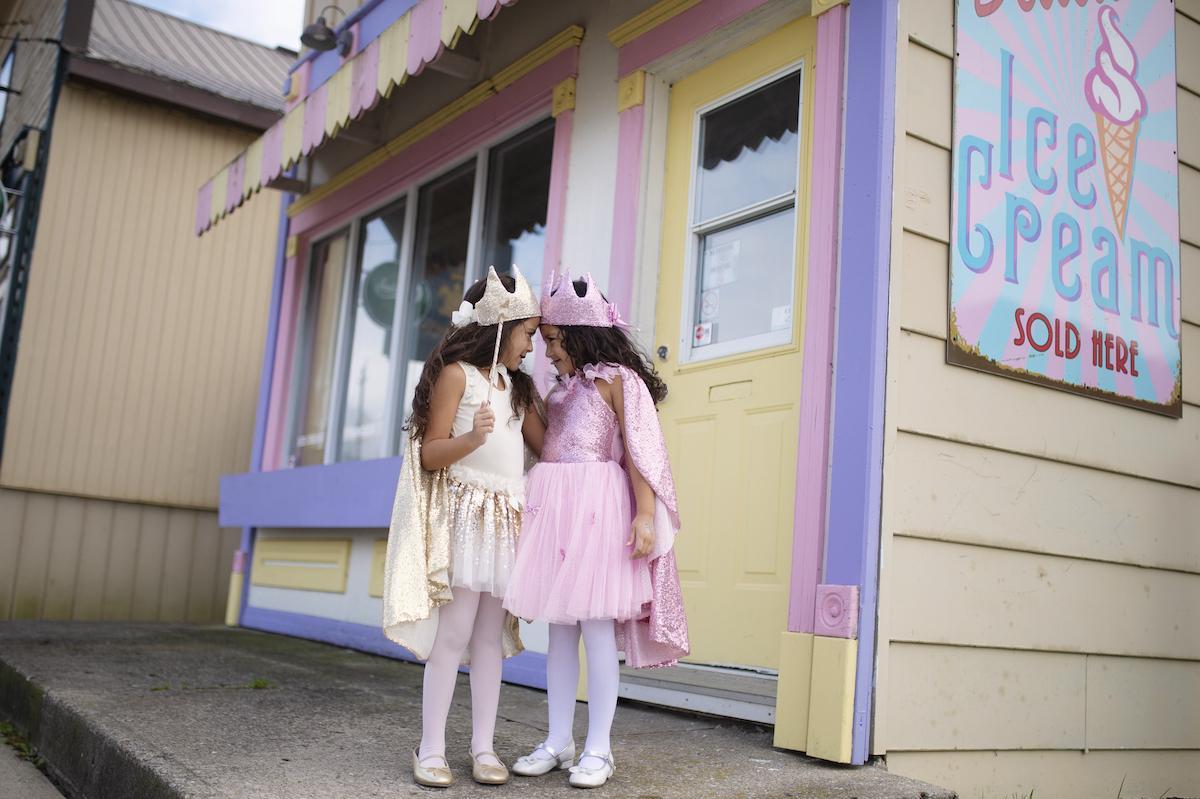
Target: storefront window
pixel 518 189
pixel 744 221
pixel 425 248
pixel 439 267
pixel 315 357
pixel 376 274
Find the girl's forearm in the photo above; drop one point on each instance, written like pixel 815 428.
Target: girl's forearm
pixel 643 493
pixel 440 453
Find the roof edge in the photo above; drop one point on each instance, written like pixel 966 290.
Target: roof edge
pixel 155 87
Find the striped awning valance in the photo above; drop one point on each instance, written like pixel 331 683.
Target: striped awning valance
pixel 385 53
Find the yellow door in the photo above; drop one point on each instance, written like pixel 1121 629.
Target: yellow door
pixel 730 300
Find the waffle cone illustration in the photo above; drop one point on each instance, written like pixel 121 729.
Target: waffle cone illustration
pixel 1118 149
pixel 1112 91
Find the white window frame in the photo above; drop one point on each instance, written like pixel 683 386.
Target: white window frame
pixel 343 336
pixel 696 231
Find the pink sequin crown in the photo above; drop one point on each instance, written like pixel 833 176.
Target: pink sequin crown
pixel 498 304
pixel 564 307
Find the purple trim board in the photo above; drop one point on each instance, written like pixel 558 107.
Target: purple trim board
pixel 856 478
pixel 527 668
pixel 264 383
pixel 348 494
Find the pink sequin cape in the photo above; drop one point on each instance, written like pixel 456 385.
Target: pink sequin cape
pixel 661 638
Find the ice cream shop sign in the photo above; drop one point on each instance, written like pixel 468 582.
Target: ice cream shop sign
pixel 1064 237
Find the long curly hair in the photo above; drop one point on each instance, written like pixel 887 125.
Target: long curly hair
pixel 594 345
pixel 471 344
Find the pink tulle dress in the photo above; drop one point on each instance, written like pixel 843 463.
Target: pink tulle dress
pixel 573 562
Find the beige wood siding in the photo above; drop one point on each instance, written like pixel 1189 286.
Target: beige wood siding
pixel 138 368
pixel 1041 551
pixel 65 557
pixel 33 64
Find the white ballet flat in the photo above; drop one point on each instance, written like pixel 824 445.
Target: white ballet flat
pixel 544 759
pixel 582 777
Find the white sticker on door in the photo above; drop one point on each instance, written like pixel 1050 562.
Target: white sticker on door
pixel 781 317
pixel 710 305
pixel 720 264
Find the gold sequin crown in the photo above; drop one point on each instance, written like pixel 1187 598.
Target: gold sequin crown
pixel 501 305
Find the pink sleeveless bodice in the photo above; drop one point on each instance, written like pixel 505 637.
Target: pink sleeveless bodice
pixel 582 428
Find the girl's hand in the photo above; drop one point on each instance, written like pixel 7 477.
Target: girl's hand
pixel 641 535
pixel 484 423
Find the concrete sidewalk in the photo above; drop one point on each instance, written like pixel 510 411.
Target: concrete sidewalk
pixel 147 711
pixel 21 779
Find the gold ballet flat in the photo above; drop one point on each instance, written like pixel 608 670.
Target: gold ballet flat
pixel 432 777
pixel 486 773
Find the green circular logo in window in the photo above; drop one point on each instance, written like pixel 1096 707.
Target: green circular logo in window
pixel 379 292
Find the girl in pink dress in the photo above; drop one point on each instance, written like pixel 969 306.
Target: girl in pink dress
pixel 595 555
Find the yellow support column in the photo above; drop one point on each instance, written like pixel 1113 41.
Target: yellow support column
pixel 831 699
pixel 793 693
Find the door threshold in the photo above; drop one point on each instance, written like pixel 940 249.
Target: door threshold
pixel 715 690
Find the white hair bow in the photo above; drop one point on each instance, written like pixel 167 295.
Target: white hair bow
pixel 464 316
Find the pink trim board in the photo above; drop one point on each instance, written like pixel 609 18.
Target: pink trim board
pixel 817 379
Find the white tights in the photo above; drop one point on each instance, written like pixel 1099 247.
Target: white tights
pixel 470 619
pixel 562 677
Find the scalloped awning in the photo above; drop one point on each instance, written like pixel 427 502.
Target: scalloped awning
pixel 383 57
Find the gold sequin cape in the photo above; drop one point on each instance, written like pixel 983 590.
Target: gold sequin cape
pixel 417 568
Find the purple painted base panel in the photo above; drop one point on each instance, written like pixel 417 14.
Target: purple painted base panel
pixel 527 668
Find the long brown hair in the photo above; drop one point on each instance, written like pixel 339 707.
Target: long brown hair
pixel 595 345
pixel 472 344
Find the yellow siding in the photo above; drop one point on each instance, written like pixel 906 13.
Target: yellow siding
pixel 69 558
pixel 137 373
pixel 1054 774
pixel 305 564
pixel 378 568
pixel 1041 551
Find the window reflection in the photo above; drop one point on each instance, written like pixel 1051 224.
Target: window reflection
pixel 439 266
pixel 317 344
pixel 518 191
pixel 364 414
pixel 749 149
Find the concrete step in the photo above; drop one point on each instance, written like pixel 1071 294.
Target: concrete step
pixel 729 692
pixel 149 711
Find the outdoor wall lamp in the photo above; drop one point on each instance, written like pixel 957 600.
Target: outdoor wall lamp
pixel 318 35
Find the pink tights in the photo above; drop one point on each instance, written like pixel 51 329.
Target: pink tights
pixel 474 620
pixel 562 677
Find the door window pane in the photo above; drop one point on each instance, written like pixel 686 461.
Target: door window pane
pixel 364 414
pixel 321 306
pixel 518 191
pixel 746 280
pixel 748 149
pixel 439 267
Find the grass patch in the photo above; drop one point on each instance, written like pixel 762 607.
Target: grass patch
pixel 21 746
pixel 260 684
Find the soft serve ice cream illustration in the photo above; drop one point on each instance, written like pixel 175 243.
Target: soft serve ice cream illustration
pixel 1113 93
